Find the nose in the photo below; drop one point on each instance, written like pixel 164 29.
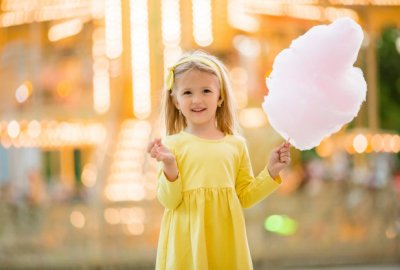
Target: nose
pixel 196 98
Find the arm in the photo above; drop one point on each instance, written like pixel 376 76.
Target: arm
pixel 252 190
pixel 169 186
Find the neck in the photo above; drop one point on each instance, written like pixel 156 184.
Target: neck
pixel 209 132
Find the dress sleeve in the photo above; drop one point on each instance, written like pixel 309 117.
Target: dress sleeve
pixel 168 193
pixel 250 189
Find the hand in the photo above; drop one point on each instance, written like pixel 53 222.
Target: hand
pixel 161 153
pixel 279 159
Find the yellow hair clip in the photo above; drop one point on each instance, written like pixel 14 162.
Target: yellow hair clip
pixel 170 76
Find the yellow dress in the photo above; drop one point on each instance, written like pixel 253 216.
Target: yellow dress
pixel 203 225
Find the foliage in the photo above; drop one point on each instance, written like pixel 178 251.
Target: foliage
pixel 389 79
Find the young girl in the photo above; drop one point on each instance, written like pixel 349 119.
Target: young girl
pixel 205 176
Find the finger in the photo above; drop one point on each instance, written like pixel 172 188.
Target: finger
pixel 161 149
pixel 154 151
pixel 286 145
pixel 158 141
pixel 151 144
pixel 285 150
pixel 283 157
pixel 153 154
pixel 160 156
pixel 283 145
pixel 279 150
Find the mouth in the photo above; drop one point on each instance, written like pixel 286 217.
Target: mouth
pixel 198 110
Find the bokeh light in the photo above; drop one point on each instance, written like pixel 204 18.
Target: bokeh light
pixel 281 224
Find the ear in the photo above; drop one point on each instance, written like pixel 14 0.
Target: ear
pixel 220 101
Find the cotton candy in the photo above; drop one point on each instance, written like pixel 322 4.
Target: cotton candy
pixel 313 87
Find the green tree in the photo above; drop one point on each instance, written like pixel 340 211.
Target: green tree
pixel 389 79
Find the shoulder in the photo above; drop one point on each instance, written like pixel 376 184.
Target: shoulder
pixel 173 141
pixel 238 140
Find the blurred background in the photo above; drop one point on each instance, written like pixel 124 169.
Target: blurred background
pixel 80 87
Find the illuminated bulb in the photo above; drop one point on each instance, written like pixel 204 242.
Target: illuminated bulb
pixel 13 129
pixel 239 75
pixel 22 93
pixel 144 127
pixel 171 32
pixel 101 76
pixel 171 24
pixel 124 191
pixel 89 174
pixel 248 47
pixel 139 213
pixel 377 143
pixel 332 13
pixel 252 118
pixel 387 147
pixel 101 92
pixel 101 65
pixel 360 143
pixel 135 228
pixel 65 29
pixel 97 133
pixel 125 214
pixel 113 28
pixel 77 219
pixel 395 143
pixel 97 9
pixel 34 129
pixel 140 58
pixel 240 19
pixel 202 22
pixel 112 216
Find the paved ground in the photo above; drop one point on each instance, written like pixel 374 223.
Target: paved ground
pixel 354 267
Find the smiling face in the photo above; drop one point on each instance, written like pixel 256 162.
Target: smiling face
pixel 196 95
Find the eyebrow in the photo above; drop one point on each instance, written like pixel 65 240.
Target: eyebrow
pixel 190 89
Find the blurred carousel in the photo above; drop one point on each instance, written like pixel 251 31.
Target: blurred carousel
pixel 80 86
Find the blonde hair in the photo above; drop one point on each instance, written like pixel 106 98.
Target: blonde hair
pixel 226 116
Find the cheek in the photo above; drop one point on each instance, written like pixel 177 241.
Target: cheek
pixel 216 99
pixel 181 103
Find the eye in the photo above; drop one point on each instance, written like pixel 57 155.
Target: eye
pixel 207 91
pixel 186 93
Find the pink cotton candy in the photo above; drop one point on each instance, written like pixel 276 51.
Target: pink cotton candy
pixel 313 88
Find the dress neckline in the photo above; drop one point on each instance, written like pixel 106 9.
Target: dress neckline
pixel 203 139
